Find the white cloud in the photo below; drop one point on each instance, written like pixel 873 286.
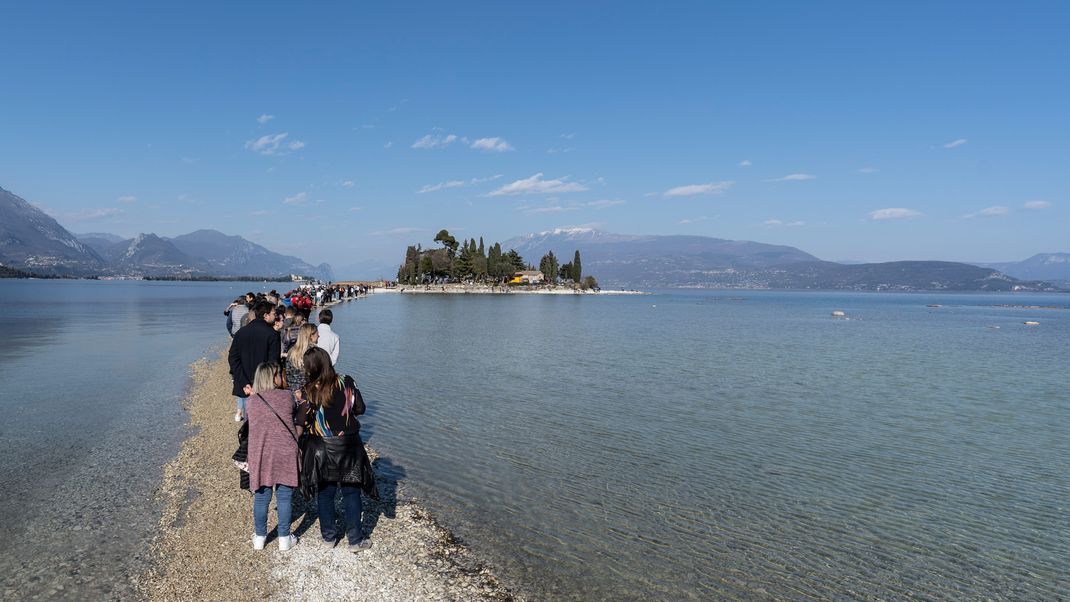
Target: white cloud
pixel 696 189
pixel 745 163
pixel 497 145
pixel 298 199
pixel 129 198
pixel 554 151
pixel 441 186
pixel 996 211
pixel 893 213
pixel 956 143
pixel 356 209
pixel 388 145
pixel 273 144
pixel 779 223
pixel 604 203
pixel 549 209
pixel 347 183
pixel 692 220
pixel 1037 205
pixel 85 215
pixel 434 141
pixel 397 231
pixel 487 179
pixel 568 136
pixel 794 177
pixel 536 185
pixel 868 170
pixel 264 118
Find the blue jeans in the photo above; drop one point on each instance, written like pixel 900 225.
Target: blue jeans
pixel 241 404
pixel 351 504
pixel 262 498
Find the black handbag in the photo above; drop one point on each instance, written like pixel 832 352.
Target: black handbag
pixel 242 454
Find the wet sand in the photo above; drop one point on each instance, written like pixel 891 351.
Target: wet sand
pixel 203 547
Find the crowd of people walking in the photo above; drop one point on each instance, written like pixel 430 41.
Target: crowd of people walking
pixel 299 426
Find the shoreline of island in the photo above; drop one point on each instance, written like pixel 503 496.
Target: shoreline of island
pixel 503 289
pixel 203 549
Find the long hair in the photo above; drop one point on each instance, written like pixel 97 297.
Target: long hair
pixel 264 378
pixel 322 379
pixel 296 355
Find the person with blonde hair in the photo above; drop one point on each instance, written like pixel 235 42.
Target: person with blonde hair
pixel 273 457
pixel 307 336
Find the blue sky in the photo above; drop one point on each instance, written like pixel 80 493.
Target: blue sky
pixel 341 132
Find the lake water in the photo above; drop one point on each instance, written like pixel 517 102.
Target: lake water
pixel 684 445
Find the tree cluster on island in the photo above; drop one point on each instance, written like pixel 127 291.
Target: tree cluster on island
pixel 467 261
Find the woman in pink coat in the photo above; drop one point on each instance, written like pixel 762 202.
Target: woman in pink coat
pixel 273 456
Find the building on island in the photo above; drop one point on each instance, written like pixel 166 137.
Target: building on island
pixel 528 277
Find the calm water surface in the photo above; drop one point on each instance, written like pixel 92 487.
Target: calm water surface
pixel 680 446
pixel 91 383
pixel 712 445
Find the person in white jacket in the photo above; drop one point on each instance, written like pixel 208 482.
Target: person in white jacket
pixel 328 340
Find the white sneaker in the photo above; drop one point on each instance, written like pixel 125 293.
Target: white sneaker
pixel 285 543
pixel 259 541
pixel 237 417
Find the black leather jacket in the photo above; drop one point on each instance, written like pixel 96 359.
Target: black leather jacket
pixel 336 460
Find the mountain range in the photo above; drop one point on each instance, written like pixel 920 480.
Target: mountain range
pixel 32 241
pixel 703 262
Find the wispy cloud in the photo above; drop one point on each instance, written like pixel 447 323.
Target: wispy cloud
pixel 497 145
pixel 893 213
pixel 536 185
pixel 552 208
pixel 456 184
pixel 604 203
pixel 554 151
pixel 397 231
pixel 261 213
pixel 697 189
pixel 435 141
pixel 441 186
pixel 264 118
pixel 84 215
pixel 996 211
pixel 692 220
pixel 776 223
pixel 300 198
pixel 745 163
pixel 794 177
pixel 868 170
pixel 1037 205
pixel 356 209
pixel 274 144
pixel 346 184
pixel 956 143
pixel 129 198
pixel 569 136
pixel 388 144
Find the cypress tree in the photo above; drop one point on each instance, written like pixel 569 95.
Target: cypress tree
pixel 577 271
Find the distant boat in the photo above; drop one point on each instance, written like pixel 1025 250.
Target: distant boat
pixel 839 313
pixel 934 305
pixel 1031 323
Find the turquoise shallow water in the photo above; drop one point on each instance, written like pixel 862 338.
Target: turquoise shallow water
pixel 712 445
pixel 684 445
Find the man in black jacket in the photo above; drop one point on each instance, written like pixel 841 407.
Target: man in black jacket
pixel 257 342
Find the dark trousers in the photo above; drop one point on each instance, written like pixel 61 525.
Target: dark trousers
pixel 351 504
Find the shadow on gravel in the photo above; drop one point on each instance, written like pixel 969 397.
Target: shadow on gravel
pixel 387 475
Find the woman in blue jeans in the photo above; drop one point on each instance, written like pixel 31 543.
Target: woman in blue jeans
pixel 330 406
pixel 273 456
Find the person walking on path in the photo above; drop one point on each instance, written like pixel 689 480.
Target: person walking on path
pixel 273 457
pixel 255 343
pixel 329 341
pixel 295 360
pixel 335 460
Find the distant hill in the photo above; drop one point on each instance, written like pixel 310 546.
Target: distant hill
pixel 1042 266
pixel 33 241
pixel 703 262
pixel 233 256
